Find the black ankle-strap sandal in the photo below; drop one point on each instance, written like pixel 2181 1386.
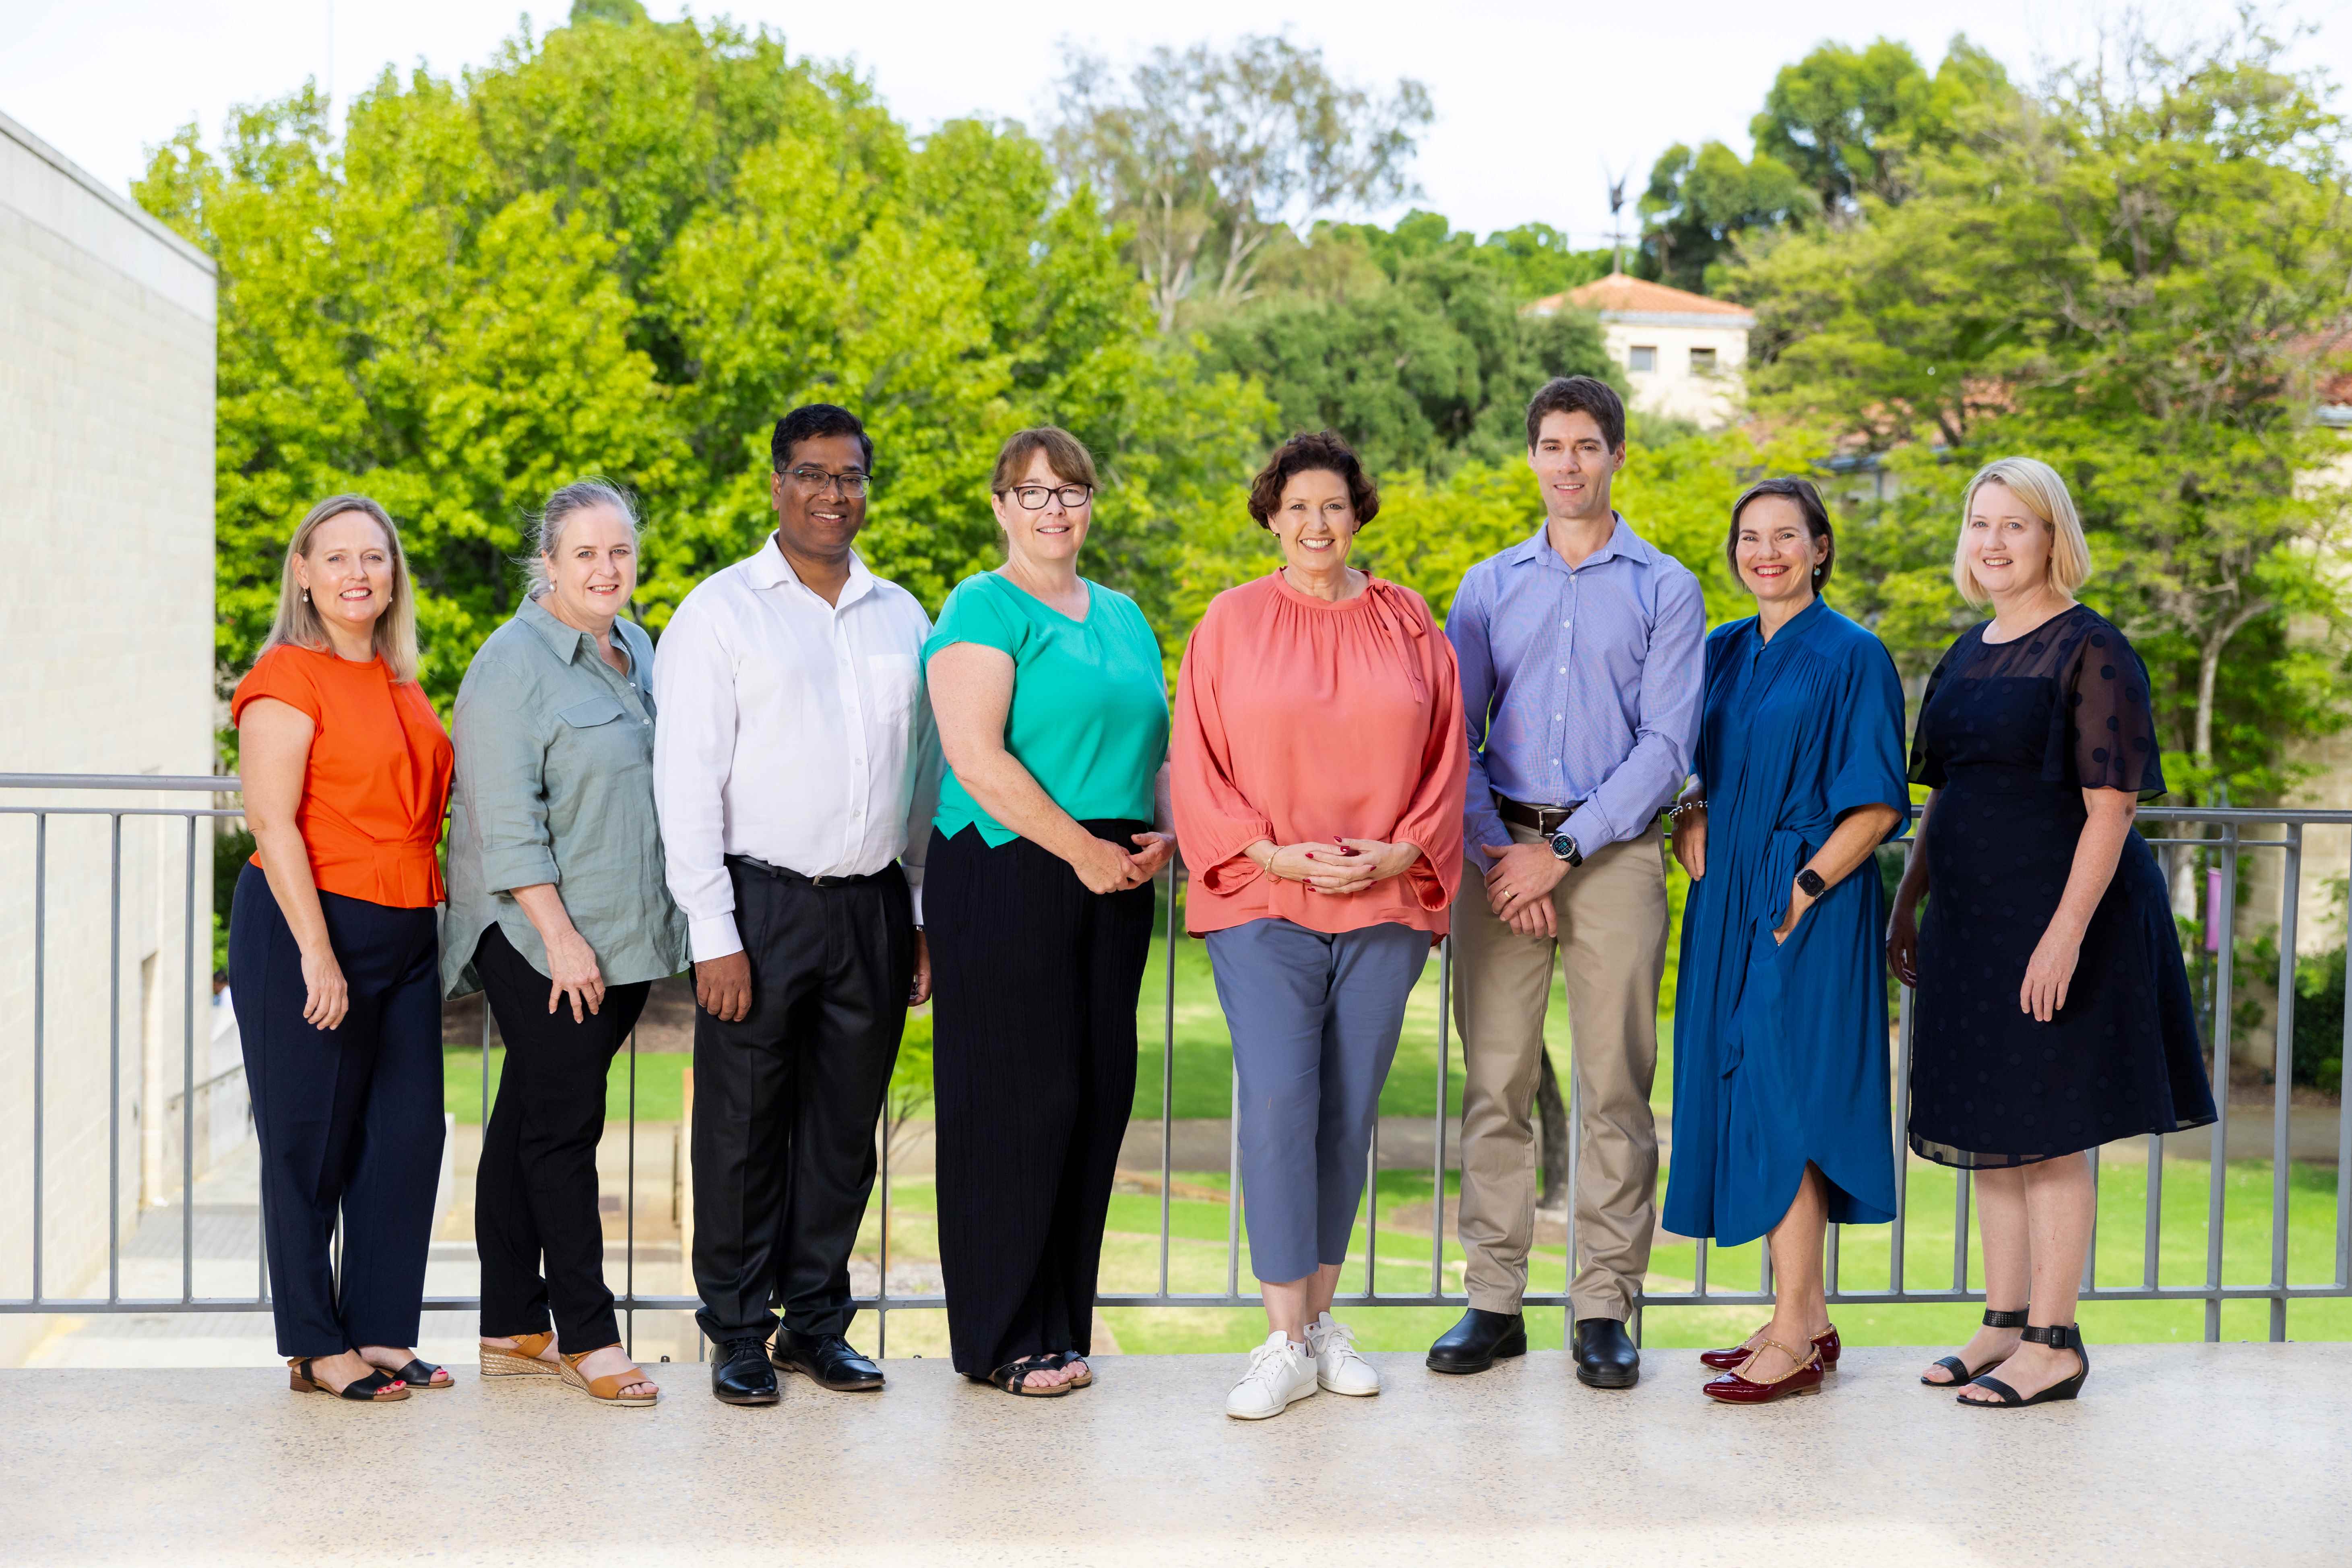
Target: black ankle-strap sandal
pixel 378 1388
pixel 1961 1371
pixel 2058 1337
pixel 1012 1377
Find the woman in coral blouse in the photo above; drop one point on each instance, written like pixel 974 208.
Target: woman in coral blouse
pixel 1317 764
pixel 334 960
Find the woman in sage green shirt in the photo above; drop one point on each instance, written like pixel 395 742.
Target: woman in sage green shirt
pixel 559 912
pixel 1053 712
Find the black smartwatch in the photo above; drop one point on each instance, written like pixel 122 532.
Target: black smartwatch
pixel 1810 881
pixel 1565 848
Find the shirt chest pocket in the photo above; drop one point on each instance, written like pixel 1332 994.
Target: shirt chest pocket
pixel 599 728
pixel 890 681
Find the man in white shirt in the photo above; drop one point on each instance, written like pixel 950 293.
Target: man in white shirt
pixel 795 771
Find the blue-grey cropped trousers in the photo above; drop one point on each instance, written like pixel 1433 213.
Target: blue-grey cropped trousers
pixel 1314 1019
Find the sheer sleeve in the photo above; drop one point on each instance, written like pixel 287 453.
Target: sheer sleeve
pixel 2103 734
pixel 1926 758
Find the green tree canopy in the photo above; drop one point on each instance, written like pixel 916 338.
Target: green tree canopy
pixel 1849 120
pixel 627 249
pixel 1701 202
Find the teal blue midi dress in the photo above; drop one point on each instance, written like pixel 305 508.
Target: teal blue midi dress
pixel 1781 1048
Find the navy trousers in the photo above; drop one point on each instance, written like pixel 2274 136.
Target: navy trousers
pixel 348 1119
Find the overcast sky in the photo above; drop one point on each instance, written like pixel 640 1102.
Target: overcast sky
pixel 1534 99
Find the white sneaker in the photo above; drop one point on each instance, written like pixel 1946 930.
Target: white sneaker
pixel 1338 1365
pixel 1281 1374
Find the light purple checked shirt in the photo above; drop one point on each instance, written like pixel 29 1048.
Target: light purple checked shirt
pixel 1580 685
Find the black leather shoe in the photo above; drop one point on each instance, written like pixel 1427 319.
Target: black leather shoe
pixel 828 1359
pixel 1478 1341
pixel 740 1374
pixel 1605 1356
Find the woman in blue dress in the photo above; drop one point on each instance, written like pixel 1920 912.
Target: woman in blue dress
pixel 1782 1123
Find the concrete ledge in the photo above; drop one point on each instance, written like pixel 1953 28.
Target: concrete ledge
pixel 2200 1454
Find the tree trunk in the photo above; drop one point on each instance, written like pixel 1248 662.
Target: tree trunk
pixel 2209 669
pixel 1553 1113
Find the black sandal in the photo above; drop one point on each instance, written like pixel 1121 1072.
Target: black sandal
pixel 1012 1377
pixel 378 1388
pixel 420 1374
pixel 2058 1337
pixel 1962 1372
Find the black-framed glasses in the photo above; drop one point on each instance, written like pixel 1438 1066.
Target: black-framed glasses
pixel 852 484
pixel 1032 497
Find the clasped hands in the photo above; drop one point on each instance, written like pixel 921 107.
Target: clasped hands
pixel 1105 868
pixel 1350 866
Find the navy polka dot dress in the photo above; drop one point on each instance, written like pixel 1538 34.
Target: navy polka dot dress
pixel 2008 737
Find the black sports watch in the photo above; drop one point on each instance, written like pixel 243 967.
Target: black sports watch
pixel 1565 848
pixel 1810 881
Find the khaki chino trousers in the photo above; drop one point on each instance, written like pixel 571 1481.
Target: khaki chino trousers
pixel 1611 947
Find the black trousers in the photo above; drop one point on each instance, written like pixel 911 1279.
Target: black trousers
pixel 785 1102
pixel 1034 1067
pixel 348 1119
pixel 535 1190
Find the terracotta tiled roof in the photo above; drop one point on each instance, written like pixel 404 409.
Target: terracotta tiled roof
pixel 1618 293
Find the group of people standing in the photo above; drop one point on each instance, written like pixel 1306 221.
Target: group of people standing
pixel 832 810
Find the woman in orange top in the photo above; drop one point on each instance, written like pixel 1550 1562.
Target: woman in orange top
pixel 334 959
pixel 1316 764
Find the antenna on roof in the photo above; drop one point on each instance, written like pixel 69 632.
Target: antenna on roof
pixel 1616 207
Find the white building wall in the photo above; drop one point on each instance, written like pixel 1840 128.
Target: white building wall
pixel 106 524
pixel 1672 388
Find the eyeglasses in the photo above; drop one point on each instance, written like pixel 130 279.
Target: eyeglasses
pixel 1032 497
pixel 851 485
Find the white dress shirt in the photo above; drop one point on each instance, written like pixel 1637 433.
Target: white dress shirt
pixel 792 730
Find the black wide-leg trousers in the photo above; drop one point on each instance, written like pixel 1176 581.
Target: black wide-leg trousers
pixel 1034 1066
pixel 348 1119
pixel 535 1190
pixel 786 1101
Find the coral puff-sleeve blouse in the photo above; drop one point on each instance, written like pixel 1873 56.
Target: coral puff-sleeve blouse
pixel 377 780
pixel 1301 721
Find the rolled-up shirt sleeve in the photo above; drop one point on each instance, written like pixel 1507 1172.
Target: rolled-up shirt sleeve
pixel 501 745
pixel 694 749
pixel 1665 734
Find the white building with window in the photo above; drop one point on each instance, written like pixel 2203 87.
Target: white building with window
pixel 1683 353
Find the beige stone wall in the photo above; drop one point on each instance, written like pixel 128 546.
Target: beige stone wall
pixel 106 530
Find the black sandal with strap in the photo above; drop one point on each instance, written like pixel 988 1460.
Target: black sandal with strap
pixel 1962 1372
pixel 1012 1377
pixel 378 1388
pixel 2058 1337
pixel 420 1374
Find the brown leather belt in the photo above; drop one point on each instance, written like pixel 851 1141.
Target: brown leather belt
pixel 1545 819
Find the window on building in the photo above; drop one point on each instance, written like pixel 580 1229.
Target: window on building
pixel 1642 356
pixel 1702 361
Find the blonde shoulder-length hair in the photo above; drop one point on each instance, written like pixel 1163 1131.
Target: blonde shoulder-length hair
pixel 298 624
pixel 2037 484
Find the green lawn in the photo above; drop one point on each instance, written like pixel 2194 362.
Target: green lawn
pixel 660 1083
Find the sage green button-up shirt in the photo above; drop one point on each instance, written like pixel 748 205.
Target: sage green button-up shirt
pixel 555 784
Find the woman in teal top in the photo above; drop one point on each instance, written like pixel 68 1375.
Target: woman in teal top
pixel 1053 711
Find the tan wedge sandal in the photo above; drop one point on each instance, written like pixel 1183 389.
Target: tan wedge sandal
pixel 523 1361
pixel 606 1390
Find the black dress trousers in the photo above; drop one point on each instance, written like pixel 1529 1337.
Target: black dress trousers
pixel 1035 1068
pixel 348 1119
pixel 535 1191
pixel 786 1101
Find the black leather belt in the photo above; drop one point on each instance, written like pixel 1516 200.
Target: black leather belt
pixel 1545 819
pixel 786 874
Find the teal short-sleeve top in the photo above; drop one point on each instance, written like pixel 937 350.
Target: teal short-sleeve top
pixel 1090 712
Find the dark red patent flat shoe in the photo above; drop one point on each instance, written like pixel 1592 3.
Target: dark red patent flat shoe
pixel 1733 1389
pixel 1826 1342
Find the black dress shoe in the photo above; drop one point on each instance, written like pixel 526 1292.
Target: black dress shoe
pixel 1478 1341
pixel 1605 1356
pixel 740 1374
pixel 828 1359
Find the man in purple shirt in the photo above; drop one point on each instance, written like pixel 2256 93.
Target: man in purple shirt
pixel 1580 655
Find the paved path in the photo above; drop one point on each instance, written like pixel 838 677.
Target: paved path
pixel 2191 1454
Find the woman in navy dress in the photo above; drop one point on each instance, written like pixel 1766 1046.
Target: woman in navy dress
pixel 2053 1010
pixel 1780 1060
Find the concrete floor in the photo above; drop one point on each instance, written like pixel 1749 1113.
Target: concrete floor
pixel 2205 1455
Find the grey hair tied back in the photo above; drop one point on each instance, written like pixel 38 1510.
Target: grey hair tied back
pixel 544 536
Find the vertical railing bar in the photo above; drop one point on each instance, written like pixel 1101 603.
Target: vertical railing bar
pixel 2152 1244
pixel 2344 1149
pixel 40 1032
pixel 882 1282
pixel 1575 1159
pixel 114 1064
pixel 1233 1184
pixel 188 1080
pixel 2091 1246
pixel 2216 1171
pixel 2283 1070
pixel 1437 1132
pixel 1963 1189
pixel 1902 1136
pixel 1372 1207
pixel 1833 1261
pixel 1168 1087
pixel 629 1206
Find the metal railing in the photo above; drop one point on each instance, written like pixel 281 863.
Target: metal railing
pixel 2224 840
